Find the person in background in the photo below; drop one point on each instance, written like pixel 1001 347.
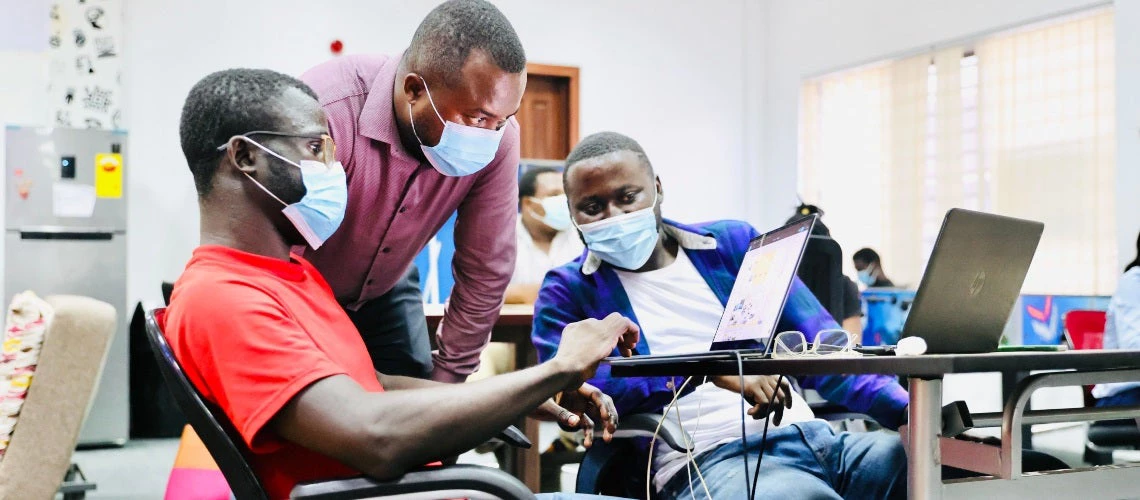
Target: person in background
pixel 260 334
pixel 870 269
pixel 674 279
pixel 851 317
pixel 543 243
pixel 1122 331
pixel 422 135
pixel 542 239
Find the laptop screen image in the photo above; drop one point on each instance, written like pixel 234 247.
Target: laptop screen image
pixel 758 296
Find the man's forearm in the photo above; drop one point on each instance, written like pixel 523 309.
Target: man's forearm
pixel 420 426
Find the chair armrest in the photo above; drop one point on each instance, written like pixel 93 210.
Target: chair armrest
pixel 832 412
pixel 644 424
pixel 455 481
pixel 514 437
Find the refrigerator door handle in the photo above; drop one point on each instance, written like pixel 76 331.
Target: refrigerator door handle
pixel 66 233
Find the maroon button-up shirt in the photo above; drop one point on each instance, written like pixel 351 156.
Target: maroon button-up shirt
pixel 396 203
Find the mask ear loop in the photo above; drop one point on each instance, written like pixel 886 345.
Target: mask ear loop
pixel 226 146
pixel 412 118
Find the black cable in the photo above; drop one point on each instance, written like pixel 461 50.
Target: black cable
pixel 763 437
pixel 743 412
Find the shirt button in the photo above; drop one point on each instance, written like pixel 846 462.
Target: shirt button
pixel 386 249
pixel 369 282
pixel 403 209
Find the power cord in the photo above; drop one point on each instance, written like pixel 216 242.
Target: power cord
pixel 743 412
pixel 653 442
pixel 764 436
pixel 689 448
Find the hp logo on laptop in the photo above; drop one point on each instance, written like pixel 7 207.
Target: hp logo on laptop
pixel 978 283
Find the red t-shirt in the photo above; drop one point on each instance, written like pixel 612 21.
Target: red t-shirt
pixel 251 332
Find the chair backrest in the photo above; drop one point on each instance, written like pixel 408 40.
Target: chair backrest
pixel 1085 329
pixel 821 269
pixel 73 353
pixel 210 422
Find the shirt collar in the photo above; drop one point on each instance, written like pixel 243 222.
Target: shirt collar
pixel 687 239
pixel 378 117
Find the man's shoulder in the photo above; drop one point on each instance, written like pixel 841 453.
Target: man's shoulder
pixel 345 76
pixel 724 230
pixel 210 289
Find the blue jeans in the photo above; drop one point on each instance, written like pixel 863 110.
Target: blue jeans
pixel 1127 397
pixel 803 460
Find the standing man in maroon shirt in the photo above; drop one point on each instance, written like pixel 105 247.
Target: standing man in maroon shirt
pixel 421 135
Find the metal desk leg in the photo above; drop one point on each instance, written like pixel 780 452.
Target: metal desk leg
pixel 528 470
pixel 924 463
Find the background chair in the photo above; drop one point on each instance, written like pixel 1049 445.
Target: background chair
pixel 821 269
pixel 1085 330
pixel 71 358
pixel 232 455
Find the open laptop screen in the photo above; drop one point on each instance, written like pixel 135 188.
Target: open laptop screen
pixel 761 288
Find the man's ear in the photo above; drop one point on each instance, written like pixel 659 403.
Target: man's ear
pixel 660 191
pixel 414 88
pixel 242 154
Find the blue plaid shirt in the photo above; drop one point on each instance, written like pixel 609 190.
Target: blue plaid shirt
pixel 589 288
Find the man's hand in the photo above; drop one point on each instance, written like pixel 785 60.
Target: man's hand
pixel 585 343
pixel 593 405
pixel 567 420
pixel 759 391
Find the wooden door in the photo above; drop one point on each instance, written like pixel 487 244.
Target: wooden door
pixel 548 116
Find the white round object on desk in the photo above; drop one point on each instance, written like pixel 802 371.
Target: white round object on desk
pixel 910 346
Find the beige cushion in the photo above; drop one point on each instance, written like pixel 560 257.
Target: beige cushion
pixel 67 374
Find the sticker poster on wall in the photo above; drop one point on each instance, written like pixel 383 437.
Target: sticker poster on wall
pixel 85 63
pixel 434 261
pixel 109 175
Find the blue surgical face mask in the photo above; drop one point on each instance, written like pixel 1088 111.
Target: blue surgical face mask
pixel 462 149
pixel 320 212
pixel 557 212
pixel 626 241
pixel 865 276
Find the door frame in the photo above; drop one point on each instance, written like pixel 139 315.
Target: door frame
pixel 571 74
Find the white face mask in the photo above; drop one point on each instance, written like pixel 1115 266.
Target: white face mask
pixel 557 212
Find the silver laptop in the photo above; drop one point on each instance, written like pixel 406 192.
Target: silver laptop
pixel 748 323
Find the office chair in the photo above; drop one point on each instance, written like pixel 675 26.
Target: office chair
pixel 1085 330
pixel 232 455
pixel 821 269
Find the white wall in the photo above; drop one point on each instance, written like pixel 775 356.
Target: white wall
pixel 669 74
pixel 1127 127
pixel 810 37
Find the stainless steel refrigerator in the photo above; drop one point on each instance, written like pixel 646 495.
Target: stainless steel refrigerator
pixel 66 220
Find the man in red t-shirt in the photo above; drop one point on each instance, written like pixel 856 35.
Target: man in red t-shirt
pixel 260 333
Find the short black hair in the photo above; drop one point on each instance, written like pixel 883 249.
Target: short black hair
pixel 224 104
pixel 604 143
pixel 866 255
pixel 530 178
pixel 446 37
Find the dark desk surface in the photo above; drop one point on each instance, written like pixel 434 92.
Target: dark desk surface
pixel 932 366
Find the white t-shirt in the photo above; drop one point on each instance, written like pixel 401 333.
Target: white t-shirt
pixel 678 314
pixel 532 263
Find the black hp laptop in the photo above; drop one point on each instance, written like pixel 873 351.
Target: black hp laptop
pixel 972 281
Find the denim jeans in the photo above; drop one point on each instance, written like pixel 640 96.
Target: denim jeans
pixel 803 460
pixel 1125 398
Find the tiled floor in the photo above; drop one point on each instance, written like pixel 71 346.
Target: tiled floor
pixel 139 470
